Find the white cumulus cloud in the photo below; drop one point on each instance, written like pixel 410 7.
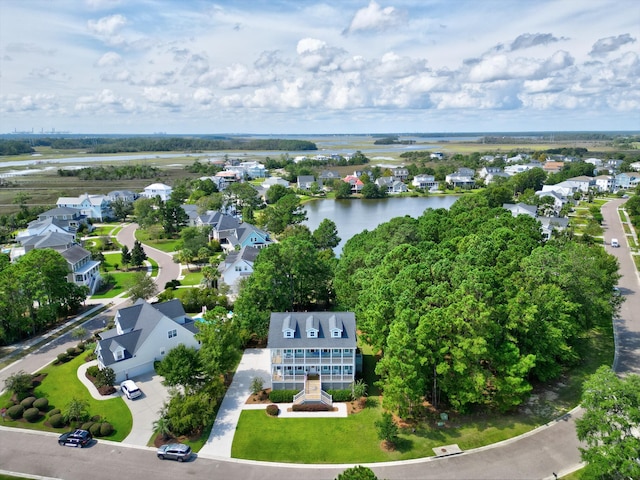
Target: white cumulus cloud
pixel 109 59
pixel 374 17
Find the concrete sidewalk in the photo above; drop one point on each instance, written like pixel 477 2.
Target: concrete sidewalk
pixel 254 363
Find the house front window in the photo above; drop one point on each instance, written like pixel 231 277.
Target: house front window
pixel 172 333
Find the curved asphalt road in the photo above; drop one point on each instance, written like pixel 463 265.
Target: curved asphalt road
pixel 536 455
pixel 167 269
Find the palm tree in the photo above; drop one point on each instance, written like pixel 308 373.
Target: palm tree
pixel 162 426
pixel 210 275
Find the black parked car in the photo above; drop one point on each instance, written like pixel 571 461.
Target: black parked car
pixel 77 438
pixel 174 451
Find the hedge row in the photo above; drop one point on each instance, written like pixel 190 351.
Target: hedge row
pixel 311 407
pixel 282 396
pixel 341 395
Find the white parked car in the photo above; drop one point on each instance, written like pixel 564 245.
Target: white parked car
pixel 130 389
pixel 615 243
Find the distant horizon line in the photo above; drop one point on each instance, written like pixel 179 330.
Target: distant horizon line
pixel 377 134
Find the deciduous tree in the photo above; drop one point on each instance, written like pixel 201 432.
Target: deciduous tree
pixel 609 425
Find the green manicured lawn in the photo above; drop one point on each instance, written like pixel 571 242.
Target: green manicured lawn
pixel 103 230
pixel 191 278
pixel 162 244
pixel 121 279
pixel 304 440
pixel 60 386
pixel 331 440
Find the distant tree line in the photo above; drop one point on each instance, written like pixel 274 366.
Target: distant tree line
pixel 174 144
pixel 15 147
pixel 111 172
pixel 152 144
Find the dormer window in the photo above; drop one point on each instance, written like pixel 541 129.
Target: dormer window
pixel 312 327
pixel 288 327
pixel 335 326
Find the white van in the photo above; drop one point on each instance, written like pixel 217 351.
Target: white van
pixel 614 243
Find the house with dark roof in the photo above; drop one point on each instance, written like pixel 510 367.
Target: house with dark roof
pixel 304 182
pixel 312 352
pixel 60 219
pixel 57 241
pixel 144 333
pixel 82 269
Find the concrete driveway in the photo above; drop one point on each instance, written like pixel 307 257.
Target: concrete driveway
pixel 145 408
pixel 254 363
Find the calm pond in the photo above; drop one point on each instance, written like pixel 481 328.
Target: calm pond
pixel 356 215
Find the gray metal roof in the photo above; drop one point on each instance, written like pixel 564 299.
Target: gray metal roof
pixel 48 240
pixel 172 309
pixel 321 320
pixel 75 253
pixel 138 321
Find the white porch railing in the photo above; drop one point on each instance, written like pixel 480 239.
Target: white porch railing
pixel 299 397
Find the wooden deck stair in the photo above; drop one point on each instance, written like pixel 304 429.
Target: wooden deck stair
pixel 312 392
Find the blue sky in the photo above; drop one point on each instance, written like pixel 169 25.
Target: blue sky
pixel 334 66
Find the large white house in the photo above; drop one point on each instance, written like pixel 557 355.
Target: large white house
pixel 312 345
pixel 97 207
pixel 144 333
pixel 157 190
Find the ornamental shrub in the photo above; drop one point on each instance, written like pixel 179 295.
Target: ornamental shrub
pixel 63 357
pixel 15 412
pixel 87 426
pixel 55 411
pixel 273 410
pixel 56 420
pixel 41 404
pixel 80 346
pixel 93 370
pixel 28 402
pixel 31 414
pixel 311 407
pixel 106 429
pixel 71 351
pixel 340 395
pixel 282 396
pixel 95 429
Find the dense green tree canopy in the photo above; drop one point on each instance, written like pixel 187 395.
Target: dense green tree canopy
pixel 609 426
pixel 286 211
pixel 292 275
pixel 34 292
pixel 457 302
